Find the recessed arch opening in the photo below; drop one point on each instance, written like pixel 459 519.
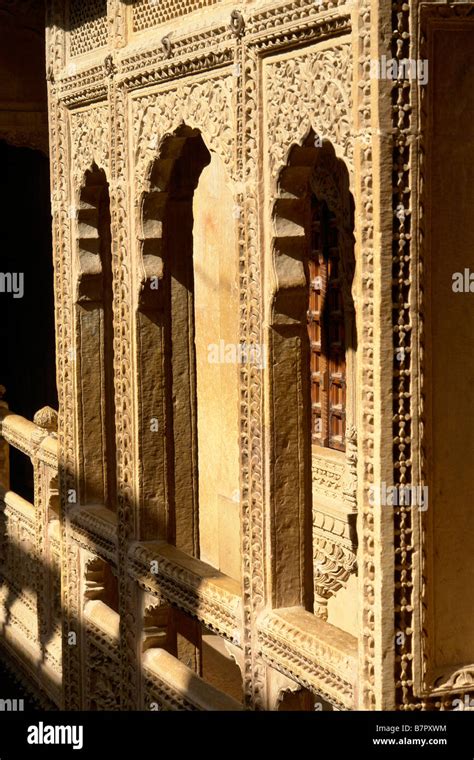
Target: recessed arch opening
pixel 188 303
pixel 313 344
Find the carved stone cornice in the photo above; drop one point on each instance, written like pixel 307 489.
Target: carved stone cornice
pixel 284 14
pixel 312 29
pixel 207 50
pixel 81 87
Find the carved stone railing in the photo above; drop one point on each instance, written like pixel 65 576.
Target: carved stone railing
pixel 311 652
pixel 170 685
pixel 30 551
pixel 32 439
pixel 297 644
pixel 193 586
pixel 96 526
pixel 102 664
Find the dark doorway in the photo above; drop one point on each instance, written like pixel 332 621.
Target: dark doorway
pixel 28 366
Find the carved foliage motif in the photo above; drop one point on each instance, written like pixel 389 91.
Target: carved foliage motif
pixel 312 89
pixel 206 105
pixel 251 392
pixel 90 141
pixel 103 690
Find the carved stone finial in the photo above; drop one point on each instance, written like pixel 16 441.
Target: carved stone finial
pixel 166 45
pixel 47 418
pixel 237 23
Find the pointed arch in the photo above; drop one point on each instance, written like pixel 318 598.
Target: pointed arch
pixel 316 563
pixel 165 343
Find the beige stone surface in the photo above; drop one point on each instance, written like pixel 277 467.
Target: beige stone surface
pixel 235 562
pixel 216 334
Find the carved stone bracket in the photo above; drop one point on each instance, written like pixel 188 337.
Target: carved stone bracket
pixel 334 559
pixel 109 65
pixel 334 524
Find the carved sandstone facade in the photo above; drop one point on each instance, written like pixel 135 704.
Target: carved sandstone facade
pixel 203 533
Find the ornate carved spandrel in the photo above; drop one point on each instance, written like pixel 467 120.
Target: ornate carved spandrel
pixel 314 89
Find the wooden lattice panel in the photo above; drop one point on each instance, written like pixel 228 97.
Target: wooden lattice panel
pixel 88 26
pixel 147 13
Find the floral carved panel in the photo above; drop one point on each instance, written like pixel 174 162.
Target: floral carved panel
pixel 208 106
pixel 312 89
pixel 90 140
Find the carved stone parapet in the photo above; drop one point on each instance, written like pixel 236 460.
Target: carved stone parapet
pixel 170 685
pixel 311 652
pixel 192 585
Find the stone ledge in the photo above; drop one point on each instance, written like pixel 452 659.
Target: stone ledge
pixel 194 586
pixel 313 653
pixel 176 683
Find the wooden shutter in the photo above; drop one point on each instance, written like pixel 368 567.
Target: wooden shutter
pixel 326 331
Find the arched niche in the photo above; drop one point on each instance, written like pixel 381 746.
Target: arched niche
pixel 187 405
pixel 312 488
pixel 94 350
